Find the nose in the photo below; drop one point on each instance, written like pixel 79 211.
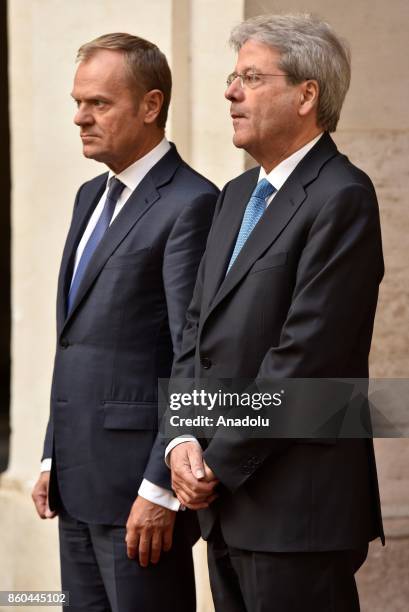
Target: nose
pixel 234 91
pixel 83 116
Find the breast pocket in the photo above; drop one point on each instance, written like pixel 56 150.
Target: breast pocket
pixel 269 261
pixel 128 260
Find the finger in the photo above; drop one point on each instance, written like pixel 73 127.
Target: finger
pixel 196 461
pixel 209 475
pixel 168 538
pixel 196 504
pixel 190 483
pixel 48 512
pixel 189 496
pixel 156 546
pixel 193 505
pixel 185 498
pixel 144 547
pixel 40 503
pixel 132 543
pixel 195 493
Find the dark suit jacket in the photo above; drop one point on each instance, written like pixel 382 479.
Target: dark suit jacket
pixel 299 302
pixel 121 335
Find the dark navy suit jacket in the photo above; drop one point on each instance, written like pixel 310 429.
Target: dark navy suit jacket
pixel 120 337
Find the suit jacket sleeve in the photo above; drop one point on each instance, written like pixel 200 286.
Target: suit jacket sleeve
pixel 334 301
pixel 184 362
pixel 49 434
pixel 182 256
pixel 48 441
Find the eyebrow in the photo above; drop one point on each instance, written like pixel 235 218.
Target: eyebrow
pixel 90 98
pixel 248 69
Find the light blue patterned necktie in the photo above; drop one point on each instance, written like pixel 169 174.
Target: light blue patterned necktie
pixel 253 213
pixel 114 191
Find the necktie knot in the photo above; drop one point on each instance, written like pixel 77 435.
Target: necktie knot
pixel 264 189
pixel 115 189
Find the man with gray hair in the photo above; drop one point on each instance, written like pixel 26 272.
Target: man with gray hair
pixel 287 289
pixel 127 275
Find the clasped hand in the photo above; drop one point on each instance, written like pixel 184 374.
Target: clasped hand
pixel 192 479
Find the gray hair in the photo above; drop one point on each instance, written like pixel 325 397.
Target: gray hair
pixel 309 49
pixel 147 66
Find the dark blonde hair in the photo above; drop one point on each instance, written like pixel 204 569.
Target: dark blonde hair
pixel 146 64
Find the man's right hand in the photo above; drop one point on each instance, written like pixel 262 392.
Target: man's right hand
pixel 40 496
pixel 189 476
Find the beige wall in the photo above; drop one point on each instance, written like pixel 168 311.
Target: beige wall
pixel 212 61
pixel 47 168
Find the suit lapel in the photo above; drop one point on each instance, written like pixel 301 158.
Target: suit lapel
pixel 92 195
pixel 228 226
pixel 278 214
pixel 138 203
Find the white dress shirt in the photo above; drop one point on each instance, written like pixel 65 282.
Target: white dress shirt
pixel 130 177
pixel 277 177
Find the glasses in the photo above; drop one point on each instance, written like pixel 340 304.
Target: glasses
pixel 250 79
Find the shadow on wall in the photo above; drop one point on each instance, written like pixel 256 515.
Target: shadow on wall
pixel 5 185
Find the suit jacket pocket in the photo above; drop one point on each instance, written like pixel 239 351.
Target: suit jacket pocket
pixel 127 260
pixel 269 261
pixel 124 415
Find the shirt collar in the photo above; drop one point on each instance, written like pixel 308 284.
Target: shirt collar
pixel 278 175
pixel 133 174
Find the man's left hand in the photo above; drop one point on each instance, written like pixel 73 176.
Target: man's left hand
pixel 209 474
pixel 190 476
pixel 149 530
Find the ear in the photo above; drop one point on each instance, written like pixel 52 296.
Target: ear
pixel 309 91
pixel 152 101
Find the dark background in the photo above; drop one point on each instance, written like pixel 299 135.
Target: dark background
pixel 5 187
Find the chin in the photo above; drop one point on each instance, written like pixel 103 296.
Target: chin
pixel 239 141
pixel 91 153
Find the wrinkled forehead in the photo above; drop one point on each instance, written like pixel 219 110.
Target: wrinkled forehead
pixel 103 68
pixel 256 55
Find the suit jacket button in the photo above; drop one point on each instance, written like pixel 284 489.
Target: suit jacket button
pixel 64 343
pixel 205 363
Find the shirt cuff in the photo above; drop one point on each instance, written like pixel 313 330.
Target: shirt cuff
pixel 175 442
pixel 158 495
pixel 46 465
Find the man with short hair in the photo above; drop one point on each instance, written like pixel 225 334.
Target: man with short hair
pixel 287 289
pixel 127 275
